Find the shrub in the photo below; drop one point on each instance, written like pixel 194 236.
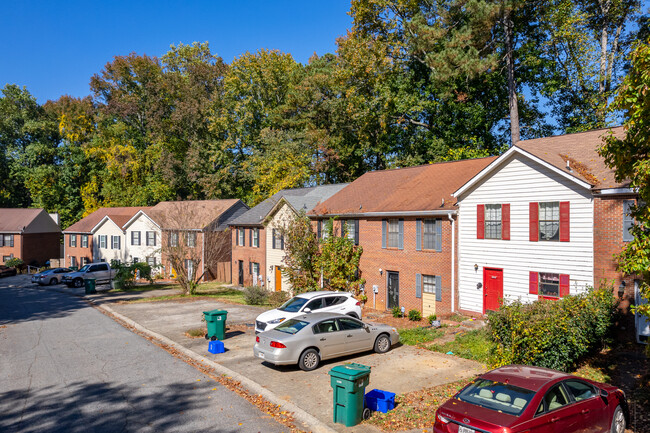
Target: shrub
pixel 275 299
pixel 552 334
pixel 397 312
pixel 14 262
pixel 415 315
pixel 431 318
pixel 255 295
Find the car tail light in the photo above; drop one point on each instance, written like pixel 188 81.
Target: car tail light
pixel 442 419
pixel 278 345
pixel 257 339
pixel 358 304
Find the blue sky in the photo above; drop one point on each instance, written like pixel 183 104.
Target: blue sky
pixel 54 47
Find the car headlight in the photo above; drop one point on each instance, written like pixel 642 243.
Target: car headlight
pixel 275 321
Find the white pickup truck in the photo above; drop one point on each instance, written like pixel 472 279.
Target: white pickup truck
pixel 101 272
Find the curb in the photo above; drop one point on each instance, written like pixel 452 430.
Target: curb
pixel 314 424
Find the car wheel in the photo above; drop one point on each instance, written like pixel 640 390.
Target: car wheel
pixel 618 421
pixel 78 282
pixel 53 281
pixel 382 344
pixel 309 360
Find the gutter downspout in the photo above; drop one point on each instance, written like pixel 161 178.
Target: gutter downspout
pixel 453 262
pixel 203 258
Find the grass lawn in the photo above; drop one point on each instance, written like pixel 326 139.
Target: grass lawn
pixel 205 290
pixel 474 345
pixel 415 336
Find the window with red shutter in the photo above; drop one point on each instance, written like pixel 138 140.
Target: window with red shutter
pixel 480 221
pixel 564 285
pixel 505 222
pixel 533 286
pixel 533 221
pixel 564 221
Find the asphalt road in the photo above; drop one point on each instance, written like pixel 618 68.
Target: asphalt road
pixel 66 367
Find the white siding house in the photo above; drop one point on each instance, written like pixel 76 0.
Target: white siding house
pixel 500 256
pixel 275 246
pixel 108 241
pixel 143 240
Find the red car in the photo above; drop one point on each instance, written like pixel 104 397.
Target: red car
pixel 523 399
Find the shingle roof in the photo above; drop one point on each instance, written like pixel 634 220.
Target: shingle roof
pixel 299 198
pixel 581 150
pixel 190 214
pixel 421 188
pixel 14 219
pixel 119 215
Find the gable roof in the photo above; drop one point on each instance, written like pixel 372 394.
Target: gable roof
pixel 298 198
pixel 36 220
pixel 585 166
pixel 119 215
pixel 425 188
pixel 190 214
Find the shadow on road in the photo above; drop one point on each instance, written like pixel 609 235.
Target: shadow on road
pixel 22 305
pixel 100 407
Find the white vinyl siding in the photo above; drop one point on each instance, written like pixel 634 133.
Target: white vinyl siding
pixel 112 246
pixel 275 256
pixel 520 181
pixel 148 234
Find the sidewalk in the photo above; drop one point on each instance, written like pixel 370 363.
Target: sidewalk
pixel 307 394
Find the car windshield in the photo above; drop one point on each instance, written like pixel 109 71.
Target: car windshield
pixel 293 305
pixel 291 326
pixel 84 269
pixel 497 396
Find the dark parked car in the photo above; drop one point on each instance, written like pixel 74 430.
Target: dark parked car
pixel 518 399
pixel 7 272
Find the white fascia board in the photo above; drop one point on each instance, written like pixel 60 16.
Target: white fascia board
pixel 616 191
pixel 415 213
pixel 503 158
pixel 135 217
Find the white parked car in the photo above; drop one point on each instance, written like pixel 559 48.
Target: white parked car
pixel 322 301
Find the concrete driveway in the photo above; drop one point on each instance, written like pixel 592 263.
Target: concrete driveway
pixel 401 370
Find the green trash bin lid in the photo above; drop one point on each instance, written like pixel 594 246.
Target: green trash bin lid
pixel 214 313
pixel 350 371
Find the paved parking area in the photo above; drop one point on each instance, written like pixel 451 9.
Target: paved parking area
pixel 401 370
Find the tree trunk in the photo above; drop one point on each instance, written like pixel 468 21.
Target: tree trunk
pixel 512 85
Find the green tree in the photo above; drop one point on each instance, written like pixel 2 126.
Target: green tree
pixel 629 157
pixel 339 261
pixel 301 253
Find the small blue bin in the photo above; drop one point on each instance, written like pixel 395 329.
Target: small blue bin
pixel 380 401
pixel 216 346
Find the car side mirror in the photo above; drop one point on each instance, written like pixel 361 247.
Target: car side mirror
pixel 307 310
pixel 604 394
pixel 367 328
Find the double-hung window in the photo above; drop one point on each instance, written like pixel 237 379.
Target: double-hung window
pixel 135 238
pixel 255 237
pixel 429 284
pixel 241 237
pixel 628 221
pixel 189 266
pixel 151 239
pixel 429 234
pixel 191 239
pixel 84 241
pixel 278 240
pixel 103 241
pixel 73 240
pixel 351 228
pixel 6 240
pixel 493 221
pixel 549 285
pixel 393 233
pixel 173 239
pixel 151 261
pixel 115 242
pixel 549 221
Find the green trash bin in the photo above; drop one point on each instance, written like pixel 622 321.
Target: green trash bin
pixel 216 320
pixel 89 284
pixel 349 385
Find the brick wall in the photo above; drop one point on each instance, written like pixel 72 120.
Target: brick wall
pixel 8 251
pixel 247 255
pixel 38 248
pixel 608 241
pixel 407 262
pixel 77 252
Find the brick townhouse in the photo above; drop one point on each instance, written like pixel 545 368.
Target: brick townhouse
pixel 542 221
pixel 405 220
pixel 30 235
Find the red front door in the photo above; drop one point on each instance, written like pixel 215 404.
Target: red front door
pixel 492 288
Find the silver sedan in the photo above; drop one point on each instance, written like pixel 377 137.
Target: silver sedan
pixel 306 340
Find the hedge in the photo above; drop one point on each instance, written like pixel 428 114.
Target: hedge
pixel 552 334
